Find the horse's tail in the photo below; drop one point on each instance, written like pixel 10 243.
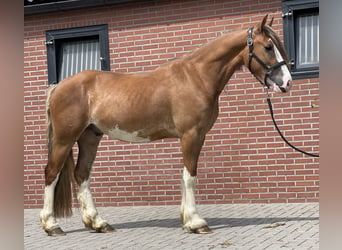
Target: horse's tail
pixel 62 202
pixel 48 120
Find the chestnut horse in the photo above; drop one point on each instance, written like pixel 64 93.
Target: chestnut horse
pixel 177 100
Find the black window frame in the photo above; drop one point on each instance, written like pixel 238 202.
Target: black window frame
pixel 55 37
pixel 291 9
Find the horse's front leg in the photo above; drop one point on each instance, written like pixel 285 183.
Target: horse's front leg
pixel 191 220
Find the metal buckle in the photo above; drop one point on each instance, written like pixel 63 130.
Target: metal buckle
pixel 249 41
pixel 250 37
pixel 266 88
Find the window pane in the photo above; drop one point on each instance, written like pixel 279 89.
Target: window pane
pixel 308 40
pixel 77 56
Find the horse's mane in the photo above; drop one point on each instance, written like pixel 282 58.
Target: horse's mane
pixel 268 31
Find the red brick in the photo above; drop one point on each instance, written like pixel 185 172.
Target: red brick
pixel 243 158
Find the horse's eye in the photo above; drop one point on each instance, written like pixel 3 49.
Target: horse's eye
pixel 269 47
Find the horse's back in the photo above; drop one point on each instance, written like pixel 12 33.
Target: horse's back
pixel 121 104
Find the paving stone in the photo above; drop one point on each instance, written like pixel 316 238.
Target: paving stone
pixel 235 226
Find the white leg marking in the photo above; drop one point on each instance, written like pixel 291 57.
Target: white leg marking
pixel 47 217
pixel 189 213
pixel 90 216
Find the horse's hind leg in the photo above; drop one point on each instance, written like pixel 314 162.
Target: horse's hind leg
pixel 88 143
pixel 60 159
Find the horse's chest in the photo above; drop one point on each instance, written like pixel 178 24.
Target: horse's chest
pixel 120 134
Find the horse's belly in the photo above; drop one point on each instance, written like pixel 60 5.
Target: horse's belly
pixel 122 135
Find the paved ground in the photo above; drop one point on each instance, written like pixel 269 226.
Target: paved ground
pixel 238 226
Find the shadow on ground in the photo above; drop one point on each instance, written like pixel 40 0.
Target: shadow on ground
pixel 214 223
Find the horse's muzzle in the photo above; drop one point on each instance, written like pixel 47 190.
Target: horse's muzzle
pixel 287 87
pixel 283 90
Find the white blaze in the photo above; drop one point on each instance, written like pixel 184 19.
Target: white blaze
pixel 287 78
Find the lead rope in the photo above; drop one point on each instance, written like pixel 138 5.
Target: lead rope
pixel 281 135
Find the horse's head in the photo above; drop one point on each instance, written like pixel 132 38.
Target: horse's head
pixel 266 57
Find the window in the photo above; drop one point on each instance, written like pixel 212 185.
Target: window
pixel 301 36
pixel 72 50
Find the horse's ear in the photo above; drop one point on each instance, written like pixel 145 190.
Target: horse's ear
pixel 271 22
pixel 261 25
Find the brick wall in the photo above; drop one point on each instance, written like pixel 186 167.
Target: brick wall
pixel 243 159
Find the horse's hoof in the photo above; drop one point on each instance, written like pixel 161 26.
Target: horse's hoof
pixel 202 230
pixel 105 229
pixel 55 232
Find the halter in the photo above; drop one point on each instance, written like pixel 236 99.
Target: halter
pixel 269 69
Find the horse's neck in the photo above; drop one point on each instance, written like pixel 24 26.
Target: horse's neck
pixel 218 60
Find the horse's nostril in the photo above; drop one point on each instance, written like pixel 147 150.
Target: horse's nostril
pixel 289 83
pixel 283 89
